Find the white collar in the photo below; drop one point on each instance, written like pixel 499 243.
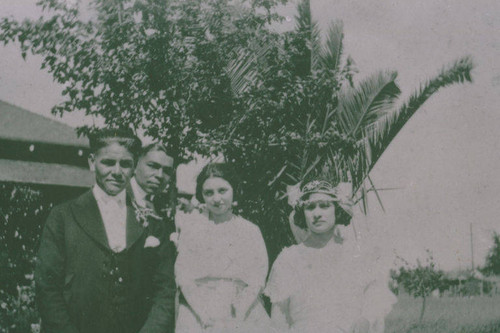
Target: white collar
pixel 139 193
pixel 103 197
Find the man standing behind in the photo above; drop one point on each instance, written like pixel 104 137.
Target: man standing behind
pixel 102 267
pixel 155 168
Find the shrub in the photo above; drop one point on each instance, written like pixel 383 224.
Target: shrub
pixel 22 211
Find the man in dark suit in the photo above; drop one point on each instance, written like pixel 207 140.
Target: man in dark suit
pixel 103 266
pixel 150 186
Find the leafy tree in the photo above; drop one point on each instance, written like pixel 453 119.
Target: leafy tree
pixel 302 116
pixel 153 65
pixel 420 280
pixel 210 76
pixel 492 265
pixel 22 209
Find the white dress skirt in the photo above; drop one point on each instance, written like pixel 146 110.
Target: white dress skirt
pixel 216 266
pixel 329 288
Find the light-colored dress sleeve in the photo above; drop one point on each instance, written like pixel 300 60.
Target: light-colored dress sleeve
pixel 377 302
pixel 254 260
pixel 186 268
pixel 251 265
pixel 378 299
pixel 280 285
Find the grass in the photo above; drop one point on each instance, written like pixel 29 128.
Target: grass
pixel 445 315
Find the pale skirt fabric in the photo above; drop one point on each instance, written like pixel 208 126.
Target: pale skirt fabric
pixel 258 321
pixel 221 262
pixel 330 288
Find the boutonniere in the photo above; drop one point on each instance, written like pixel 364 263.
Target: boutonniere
pixel 151 241
pixel 143 214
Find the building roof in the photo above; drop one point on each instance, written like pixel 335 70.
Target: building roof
pixel 45 173
pixel 22 125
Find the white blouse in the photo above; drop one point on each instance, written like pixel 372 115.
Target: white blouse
pixel 221 261
pixel 329 288
pixel 234 249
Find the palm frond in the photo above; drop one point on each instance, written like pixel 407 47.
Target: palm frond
pixel 242 70
pixel 385 129
pixel 362 106
pixel 278 175
pixel 302 162
pixel 307 40
pixel 332 52
pixel 303 19
pixel 315 46
pixel 376 193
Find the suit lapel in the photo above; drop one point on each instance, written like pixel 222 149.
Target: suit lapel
pixel 134 228
pixel 87 215
pixel 131 198
pixel 130 194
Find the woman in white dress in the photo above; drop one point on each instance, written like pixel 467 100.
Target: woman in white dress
pixel 222 262
pixel 326 283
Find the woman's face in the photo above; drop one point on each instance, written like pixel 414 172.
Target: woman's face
pixel 218 195
pixel 319 211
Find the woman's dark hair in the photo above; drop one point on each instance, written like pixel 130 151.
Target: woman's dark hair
pixel 341 216
pixel 104 137
pixel 221 170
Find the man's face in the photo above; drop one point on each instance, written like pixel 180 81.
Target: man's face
pixel 154 171
pixel 113 166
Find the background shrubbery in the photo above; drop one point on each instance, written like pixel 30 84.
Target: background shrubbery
pixel 22 212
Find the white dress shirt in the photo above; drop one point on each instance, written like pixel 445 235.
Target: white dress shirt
pixel 114 216
pixel 141 197
pixel 139 193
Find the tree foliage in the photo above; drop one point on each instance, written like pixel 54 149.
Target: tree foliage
pixel 214 76
pixel 22 210
pixel 419 280
pixel 492 264
pixel 156 66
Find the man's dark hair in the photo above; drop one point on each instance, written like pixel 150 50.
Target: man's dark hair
pixel 156 146
pixel 104 137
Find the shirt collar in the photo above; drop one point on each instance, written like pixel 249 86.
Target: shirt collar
pixel 103 197
pixel 139 193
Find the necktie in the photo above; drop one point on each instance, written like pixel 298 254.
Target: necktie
pixel 149 201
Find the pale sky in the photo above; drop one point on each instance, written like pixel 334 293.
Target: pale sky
pixel 443 161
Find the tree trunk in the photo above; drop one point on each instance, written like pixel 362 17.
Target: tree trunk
pixel 423 309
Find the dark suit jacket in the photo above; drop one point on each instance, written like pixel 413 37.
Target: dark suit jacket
pixel 83 286
pixel 162 208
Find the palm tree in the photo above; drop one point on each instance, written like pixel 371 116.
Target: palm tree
pixel 366 113
pixel 337 129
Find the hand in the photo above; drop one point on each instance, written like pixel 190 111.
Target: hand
pixel 361 325
pixel 185 205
